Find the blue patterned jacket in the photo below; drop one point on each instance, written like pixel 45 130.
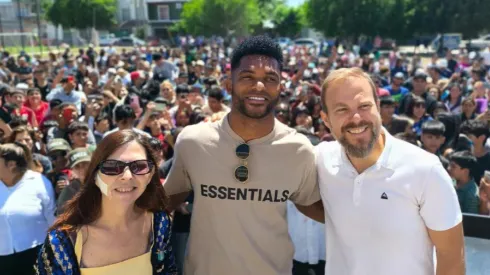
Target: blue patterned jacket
pixel 57 254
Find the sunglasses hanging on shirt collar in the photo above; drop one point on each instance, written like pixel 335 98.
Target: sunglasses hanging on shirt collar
pixel 242 152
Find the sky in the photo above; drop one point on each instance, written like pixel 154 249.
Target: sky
pixel 294 3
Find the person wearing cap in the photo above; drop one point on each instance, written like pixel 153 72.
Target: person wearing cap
pixel 419 83
pixel 137 79
pixel 397 91
pixel 67 93
pixel 58 149
pixel 164 69
pixel 79 160
pixel 182 79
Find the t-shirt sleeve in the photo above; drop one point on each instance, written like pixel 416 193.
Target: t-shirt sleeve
pixel 471 202
pixel 439 205
pixel 308 191
pixel 178 180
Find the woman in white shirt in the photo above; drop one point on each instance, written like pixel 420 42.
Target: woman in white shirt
pixel 27 206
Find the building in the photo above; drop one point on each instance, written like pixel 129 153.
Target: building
pixel 162 14
pixel 155 16
pixel 21 17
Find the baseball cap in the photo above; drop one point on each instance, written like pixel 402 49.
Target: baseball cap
pixel 420 75
pixel 58 144
pixel 21 86
pixel 79 155
pixel 399 75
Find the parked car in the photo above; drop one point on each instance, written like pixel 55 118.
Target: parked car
pixel 480 43
pixel 283 41
pixel 107 39
pixel 129 42
pixel 306 42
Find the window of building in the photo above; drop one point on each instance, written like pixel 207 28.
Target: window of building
pixel 178 6
pixel 126 14
pixel 163 12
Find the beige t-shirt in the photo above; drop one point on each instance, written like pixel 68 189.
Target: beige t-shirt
pixel 241 228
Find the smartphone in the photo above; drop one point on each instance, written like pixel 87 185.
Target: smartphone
pixel 160 107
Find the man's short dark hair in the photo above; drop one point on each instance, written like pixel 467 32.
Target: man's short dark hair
pixel 54 103
pixel 464 159
pixel 387 100
pixel 257 45
pixel 124 113
pixel 475 127
pixel 433 127
pixel 216 93
pixel 182 89
pixel 77 125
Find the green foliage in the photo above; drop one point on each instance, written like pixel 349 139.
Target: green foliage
pixel 288 21
pixel 219 17
pixel 398 18
pixel 80 13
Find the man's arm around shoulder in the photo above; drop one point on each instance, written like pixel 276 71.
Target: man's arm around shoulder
pixel 314 211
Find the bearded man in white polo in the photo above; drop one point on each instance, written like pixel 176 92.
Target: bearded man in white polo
pixel 387 203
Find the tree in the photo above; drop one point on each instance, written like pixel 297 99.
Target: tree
pixel 219 17
pixel 80 14
pixel 288 21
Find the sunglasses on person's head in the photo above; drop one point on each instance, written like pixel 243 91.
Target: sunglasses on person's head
pixel 242 151
pixel 115 167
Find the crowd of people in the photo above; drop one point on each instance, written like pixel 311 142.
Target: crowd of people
pixel 71 123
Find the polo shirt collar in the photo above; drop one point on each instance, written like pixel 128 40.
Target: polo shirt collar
pixel 383 160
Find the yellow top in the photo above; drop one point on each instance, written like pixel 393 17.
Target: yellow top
pixel 137 265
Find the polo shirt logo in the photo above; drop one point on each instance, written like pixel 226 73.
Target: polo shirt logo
pixel 384 196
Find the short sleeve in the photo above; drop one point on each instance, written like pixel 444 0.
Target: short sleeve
pixel 178 180
pixel 439 205
pixel 308 191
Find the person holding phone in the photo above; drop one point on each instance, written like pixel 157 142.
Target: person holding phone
pixel 57 151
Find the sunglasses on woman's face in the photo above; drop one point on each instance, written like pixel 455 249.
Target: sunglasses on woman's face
pixel 115 167
pixel 242 151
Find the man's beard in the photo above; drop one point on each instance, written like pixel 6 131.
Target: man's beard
pixel 361 150
pixel 239 104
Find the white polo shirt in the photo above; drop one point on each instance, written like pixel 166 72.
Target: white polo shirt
pixel 376 222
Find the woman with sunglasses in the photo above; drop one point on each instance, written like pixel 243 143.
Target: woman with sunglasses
pixel 27 205
pixel 117 223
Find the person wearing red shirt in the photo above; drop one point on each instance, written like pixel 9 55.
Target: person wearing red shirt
pixel 35 103
pixel 17 97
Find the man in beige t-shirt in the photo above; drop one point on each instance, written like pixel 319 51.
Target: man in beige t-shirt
pixel 238 223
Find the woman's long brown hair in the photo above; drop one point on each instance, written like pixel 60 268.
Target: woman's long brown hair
pixel 85 207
